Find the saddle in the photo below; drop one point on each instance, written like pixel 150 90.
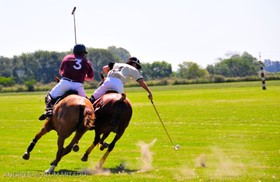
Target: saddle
pixel 53 102
pixel 97 104
pixel 69 92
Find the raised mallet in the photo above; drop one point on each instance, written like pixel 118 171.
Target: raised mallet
pixel 73 13
pixel 177 146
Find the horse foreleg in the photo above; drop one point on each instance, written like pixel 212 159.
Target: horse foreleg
pixel 59 154
pixel 85 157
pixel 74 143
pixel 116 138
pixel 32 144
pixel 110 148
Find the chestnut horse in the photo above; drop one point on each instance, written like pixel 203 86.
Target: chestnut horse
pixel 113 112
pixel 73 113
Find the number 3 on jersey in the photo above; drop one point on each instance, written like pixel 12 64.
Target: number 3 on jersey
pixel 78 64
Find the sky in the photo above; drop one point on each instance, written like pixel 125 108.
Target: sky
pixel 175 31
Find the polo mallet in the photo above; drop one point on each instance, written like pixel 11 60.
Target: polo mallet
pixel 176 147
pixel 73 13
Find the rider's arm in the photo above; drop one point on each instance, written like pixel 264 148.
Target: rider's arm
pixel 106 69
pixel 143 84
pixel 90 73
pixel 88 78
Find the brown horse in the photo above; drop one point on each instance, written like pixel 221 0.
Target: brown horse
pixel 73 113
pixel 113 112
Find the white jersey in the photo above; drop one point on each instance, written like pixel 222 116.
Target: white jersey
pixel 124 72
pixel 116 77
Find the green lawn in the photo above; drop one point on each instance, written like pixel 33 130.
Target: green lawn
pixel 227 132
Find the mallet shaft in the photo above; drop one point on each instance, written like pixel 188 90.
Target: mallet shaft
pixel 162 123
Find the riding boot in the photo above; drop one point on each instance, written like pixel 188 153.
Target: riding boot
pixel 92 99
pixel 49 107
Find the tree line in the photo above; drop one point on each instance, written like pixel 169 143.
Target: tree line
pixel 272 66
pixel 41 66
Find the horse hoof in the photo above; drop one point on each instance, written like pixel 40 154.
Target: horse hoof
pixel 84 158
pixel 104 146
pixel 98 166
pixel 26 156
pixel 50 170
pixel 76 148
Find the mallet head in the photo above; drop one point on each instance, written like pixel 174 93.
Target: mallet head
pixel 177 147
pixel 73 11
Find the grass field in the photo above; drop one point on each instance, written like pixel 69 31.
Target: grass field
pixel 227 132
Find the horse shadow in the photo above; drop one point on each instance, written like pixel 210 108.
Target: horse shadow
pixel 106 171
pixel 121 169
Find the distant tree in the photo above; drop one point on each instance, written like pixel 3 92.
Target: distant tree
pixel 271 66
pixel 43 65
pixel 48 65
pixel 237 66
pixel 121 52
pixel 146 70
pixel 100 58
pixel 190 70
pixel 40 66
pixel 210 69
pixel 156 70
pixel 6 67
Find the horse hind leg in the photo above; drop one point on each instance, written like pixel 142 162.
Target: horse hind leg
pixel 63 151
pixel 59 154
pixel 32 144
pixel 104 145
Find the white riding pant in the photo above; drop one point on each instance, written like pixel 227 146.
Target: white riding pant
pixel 65 85
pixel 110 83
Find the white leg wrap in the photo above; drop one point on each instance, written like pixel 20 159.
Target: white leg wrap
pixel 50 170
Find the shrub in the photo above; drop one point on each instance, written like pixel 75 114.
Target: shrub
pixel 30 84
pixel 218 78
pixel 7 81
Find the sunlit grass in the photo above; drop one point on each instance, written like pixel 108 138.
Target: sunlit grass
pixel 232 129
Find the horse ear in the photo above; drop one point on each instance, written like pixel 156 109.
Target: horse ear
pixel 56 78
pixel 101 75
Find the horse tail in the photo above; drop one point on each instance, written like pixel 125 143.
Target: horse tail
pixel 120 109
pixel 86 116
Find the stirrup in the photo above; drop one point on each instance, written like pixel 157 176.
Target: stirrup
pixel 47 114
pixel 43 117
pixel 92 99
